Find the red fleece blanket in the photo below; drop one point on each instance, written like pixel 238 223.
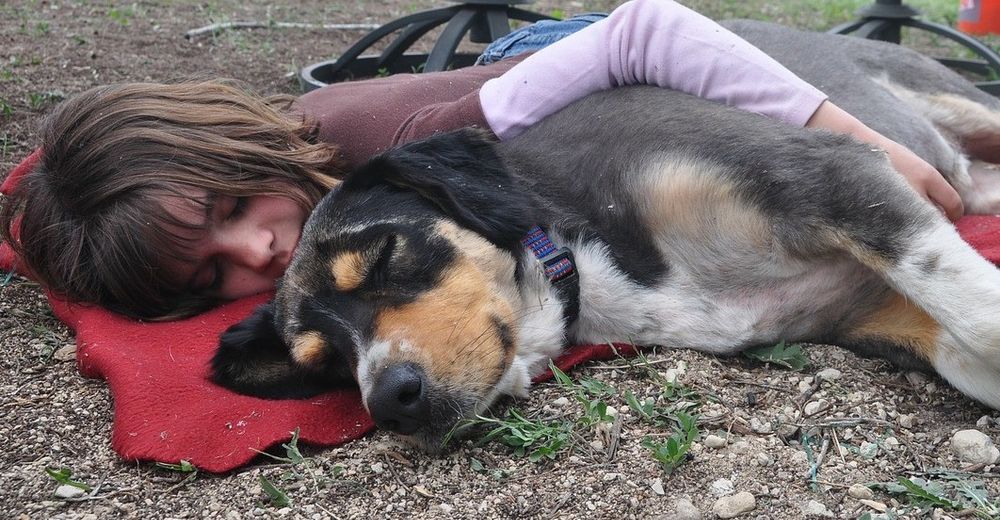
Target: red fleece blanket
pixel 167 410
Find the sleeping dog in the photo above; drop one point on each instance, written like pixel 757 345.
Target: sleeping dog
pixel 447 272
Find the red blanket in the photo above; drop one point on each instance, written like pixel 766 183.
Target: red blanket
pixel 166 409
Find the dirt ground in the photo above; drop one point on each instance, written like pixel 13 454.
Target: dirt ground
pixel 794 441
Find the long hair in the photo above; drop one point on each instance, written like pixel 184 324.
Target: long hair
pixel 88 221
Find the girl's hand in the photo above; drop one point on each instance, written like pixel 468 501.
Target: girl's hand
pixel 923 177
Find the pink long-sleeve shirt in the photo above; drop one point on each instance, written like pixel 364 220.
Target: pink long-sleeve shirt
pixel 655 42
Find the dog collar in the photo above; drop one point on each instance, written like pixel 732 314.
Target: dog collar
pixel 560 269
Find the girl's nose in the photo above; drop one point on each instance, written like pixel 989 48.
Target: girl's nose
pixel 250 248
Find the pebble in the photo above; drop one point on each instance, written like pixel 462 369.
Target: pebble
pixel 814 508
pixel 68 491
pixel 764 459
pixel 561 402
pixel 65 353
pixel 907 421
pixel 878 506
pixel 800 457
pixel 974 446
pixel 829 374
pixel 657 486
pixel 714 441
pixel 860 491
pixel 813 407
pixel 684 509
pixel 734 505
pixel 446 508
pixel 722 487
pixel 758 426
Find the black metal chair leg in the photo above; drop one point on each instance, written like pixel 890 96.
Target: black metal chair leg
pixel 446 44
pixel 883 20
pixel 483 20
pixel 968 42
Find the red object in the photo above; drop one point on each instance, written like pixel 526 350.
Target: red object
pixel 167 410
pixel 979 16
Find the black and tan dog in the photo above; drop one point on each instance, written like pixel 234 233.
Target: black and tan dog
pixel 661 219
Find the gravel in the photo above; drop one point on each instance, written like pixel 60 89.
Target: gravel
pixel 866 423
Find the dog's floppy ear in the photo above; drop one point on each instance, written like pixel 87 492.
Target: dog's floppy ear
pixel 252 359
pixel 462 174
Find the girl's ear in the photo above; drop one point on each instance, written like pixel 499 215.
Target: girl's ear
pixel 462 174
pixel 252 359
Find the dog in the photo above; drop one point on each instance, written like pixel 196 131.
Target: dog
pixel 447 272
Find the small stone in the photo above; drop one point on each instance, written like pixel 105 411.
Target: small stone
pixel 763 459
pixel 734 505
pixel 65 353
pixel 714 441
pixel 657 486
pixel 446 508
pixel 561 402
pixel 916 379
pixel 814 407
pixel 878 506
pixel 684 509
pixel 67 491
pixel 984 422
pixel 860 491
pixel 829 374
pixel 378 468
pixel 974 446
pixel 722 487
pixel 907 421
pixel 814 508
pixel 740 446
pixel 759 426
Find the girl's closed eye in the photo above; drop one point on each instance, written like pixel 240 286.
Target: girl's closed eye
pixel 237 206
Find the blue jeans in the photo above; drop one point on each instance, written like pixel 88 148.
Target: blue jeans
pixel 535 36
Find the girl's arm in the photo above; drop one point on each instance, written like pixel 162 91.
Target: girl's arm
pixel 659 42
pixel 651 42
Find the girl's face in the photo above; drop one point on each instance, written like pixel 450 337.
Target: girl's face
pixel 241 244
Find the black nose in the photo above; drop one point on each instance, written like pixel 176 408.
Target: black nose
pixel 398 400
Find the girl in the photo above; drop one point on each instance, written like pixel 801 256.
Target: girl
pixel 158 201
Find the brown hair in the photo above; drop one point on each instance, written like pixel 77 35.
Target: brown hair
pixel 92 226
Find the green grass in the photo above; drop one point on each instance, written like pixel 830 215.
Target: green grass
pixel 63 476
pixel 541 438
pixel 297 467
pixel 949 491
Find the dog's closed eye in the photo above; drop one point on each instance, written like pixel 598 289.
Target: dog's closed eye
pixel 368 268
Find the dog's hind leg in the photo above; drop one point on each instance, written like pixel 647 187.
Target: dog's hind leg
pixel 960 290
pixel 869 212
pixel 949 297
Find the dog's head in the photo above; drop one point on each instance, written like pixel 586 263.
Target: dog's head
pixel 403 282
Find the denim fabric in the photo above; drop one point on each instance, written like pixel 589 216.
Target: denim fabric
pixel 535 36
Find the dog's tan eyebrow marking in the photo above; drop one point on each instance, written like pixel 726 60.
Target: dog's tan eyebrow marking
pixel 308 348
pixel 349 270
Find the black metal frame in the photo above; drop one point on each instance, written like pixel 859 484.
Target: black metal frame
pixel 483 20
pixel 884 20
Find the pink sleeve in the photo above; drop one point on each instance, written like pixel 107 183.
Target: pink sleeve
pixel 653 42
